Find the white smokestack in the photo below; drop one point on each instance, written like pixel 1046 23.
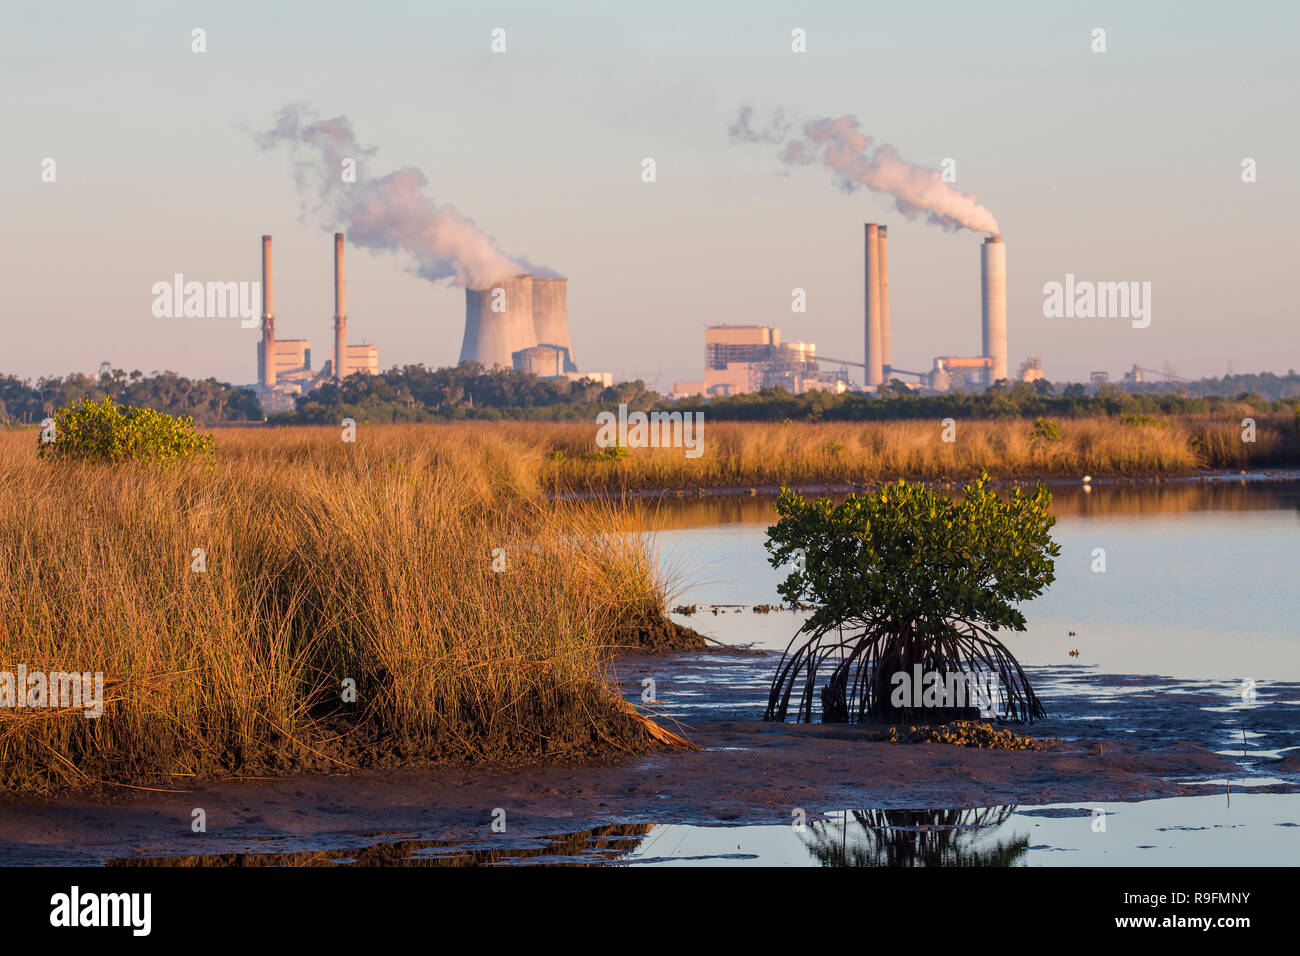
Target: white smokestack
pixel 885 361
pixel 993 304
pixel 874 372
pixel 840 145
pixel 340 313
pixel 268 318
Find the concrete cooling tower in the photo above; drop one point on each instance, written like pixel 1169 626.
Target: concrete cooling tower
pixel 499 322
pixel 551 316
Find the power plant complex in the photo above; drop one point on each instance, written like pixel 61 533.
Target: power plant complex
pixel 284 366
pixel 520 323
pixel 740 359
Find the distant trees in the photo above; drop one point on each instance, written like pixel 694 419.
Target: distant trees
pixel 1030 400
pixel 208 401
pixel 467 391
pixel 414 393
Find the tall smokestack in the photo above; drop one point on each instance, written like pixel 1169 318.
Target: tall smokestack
pixel 875 372
pixel 885 361
pixel 268 318
pixel 993 302
pixel 340 314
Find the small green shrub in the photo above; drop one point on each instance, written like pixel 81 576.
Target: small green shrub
pixel 1143 421
pixel 1045 430
pixel 109 432
pixel 612 453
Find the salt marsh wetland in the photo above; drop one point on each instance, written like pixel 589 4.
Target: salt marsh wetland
pixel 1167 670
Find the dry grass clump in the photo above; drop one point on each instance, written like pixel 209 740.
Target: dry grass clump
pixel 326 562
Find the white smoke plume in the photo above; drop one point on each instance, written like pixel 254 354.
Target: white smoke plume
pixel 389 212
pixel 840 145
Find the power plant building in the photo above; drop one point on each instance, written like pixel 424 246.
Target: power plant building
pixel 289 373
pixel 739 359
pixel 541 360
pixel 363 358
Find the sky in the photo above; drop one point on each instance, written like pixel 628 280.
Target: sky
pixel 1117 166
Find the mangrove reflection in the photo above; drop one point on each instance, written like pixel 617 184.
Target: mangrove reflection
pixel 913 838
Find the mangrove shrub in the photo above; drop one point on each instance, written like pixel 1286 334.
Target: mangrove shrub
pixel 108 432
pixel 906 583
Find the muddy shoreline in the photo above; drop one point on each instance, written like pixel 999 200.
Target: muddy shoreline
pixel 747 772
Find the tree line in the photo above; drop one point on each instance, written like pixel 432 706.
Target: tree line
pixel 414 393
pixel 208 401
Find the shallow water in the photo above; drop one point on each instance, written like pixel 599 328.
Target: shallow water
pixel 1199 580
pixel 1212 830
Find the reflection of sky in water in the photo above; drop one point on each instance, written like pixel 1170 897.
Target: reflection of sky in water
pixel 1251 829
pixel 1205 590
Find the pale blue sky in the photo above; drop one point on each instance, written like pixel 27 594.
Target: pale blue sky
pixel 1115 166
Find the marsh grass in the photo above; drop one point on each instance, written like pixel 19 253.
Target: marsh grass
pixel 754 453
pixel 325 561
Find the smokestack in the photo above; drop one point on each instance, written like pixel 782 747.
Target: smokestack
pixel 874 371
pixel 883 244
pixel 498 322
pixel 993 301
pixel 340 314
pixel 268 318
pixel 551 317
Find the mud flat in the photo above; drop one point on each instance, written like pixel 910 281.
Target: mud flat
pixel 747 772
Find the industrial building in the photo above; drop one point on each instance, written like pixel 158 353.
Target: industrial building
pixel 745 358
pixel 288 373
pixel 739 359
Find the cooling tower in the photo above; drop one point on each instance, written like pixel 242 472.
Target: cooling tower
pixel 993 303
pixel 883 245
pixel 498 322
pixel 267 357
pixel 874 357
pixel 340 313
pixel 551 316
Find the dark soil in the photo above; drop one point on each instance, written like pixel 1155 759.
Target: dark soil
pixel 656 633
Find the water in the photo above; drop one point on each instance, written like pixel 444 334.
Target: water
pixel 1199 581
pixel 1212 830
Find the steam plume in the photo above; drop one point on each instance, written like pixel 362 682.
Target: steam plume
pixel 390 212
pixel 840 145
